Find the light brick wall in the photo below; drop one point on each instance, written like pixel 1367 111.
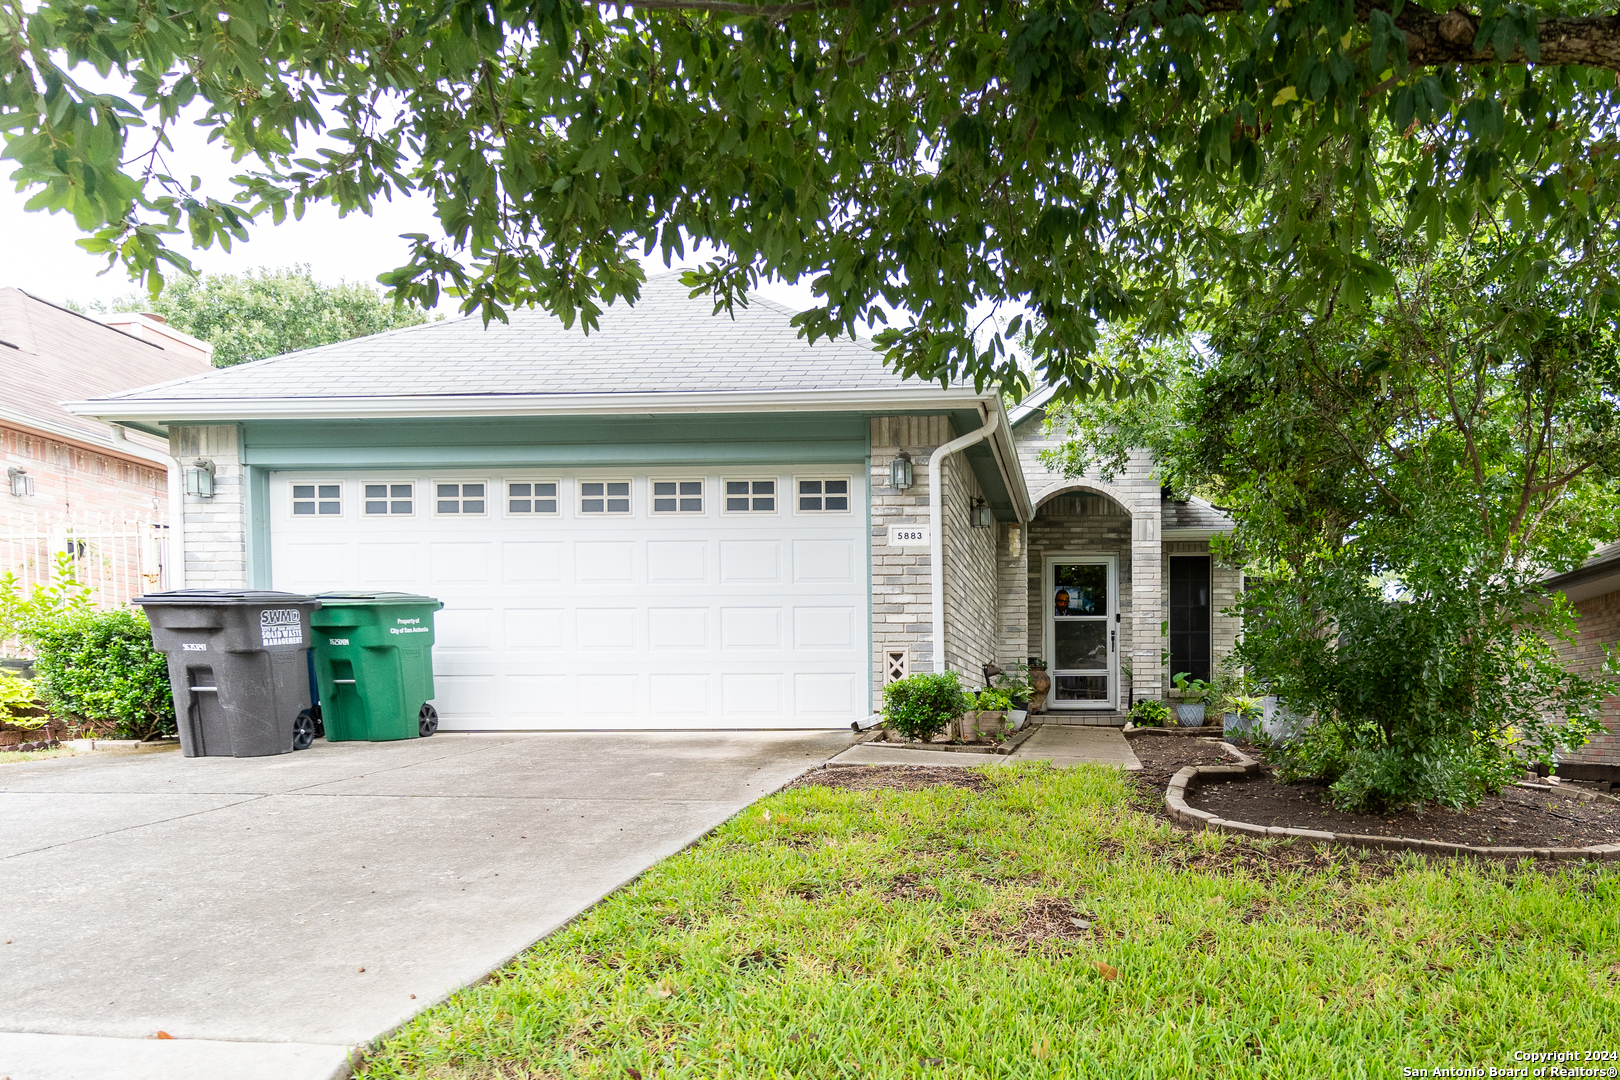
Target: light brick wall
pixel 970 577
pixel 1012 599
pixel 1599 621
pixel 73 479
pixel 216 528
pixel 902 613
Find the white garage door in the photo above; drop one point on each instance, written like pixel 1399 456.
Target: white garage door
pixel 611 598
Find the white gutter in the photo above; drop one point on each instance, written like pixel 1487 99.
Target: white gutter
pixel 175 558
pixel 936 538
pixel 153 409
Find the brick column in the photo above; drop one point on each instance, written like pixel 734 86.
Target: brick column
pixel 1147 599
pixel 1012 596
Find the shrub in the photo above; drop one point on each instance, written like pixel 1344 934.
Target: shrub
pixel 924 704
pixel 17 704
pixel 100 669
pixel 1147 713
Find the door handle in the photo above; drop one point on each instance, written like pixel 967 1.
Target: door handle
pixel 1112 636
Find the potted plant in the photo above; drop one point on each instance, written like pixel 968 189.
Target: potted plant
pixel 989 718
pixel 1040 683
pixel 1148 713
pixel 1242 712
pixel 1190 709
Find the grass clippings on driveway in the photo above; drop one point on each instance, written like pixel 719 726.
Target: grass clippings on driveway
pixel 1038 927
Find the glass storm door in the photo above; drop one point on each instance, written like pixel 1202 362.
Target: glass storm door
pixel 1081 632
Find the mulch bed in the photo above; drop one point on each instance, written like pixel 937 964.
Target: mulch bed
pixel 1518 817
pixel 893 777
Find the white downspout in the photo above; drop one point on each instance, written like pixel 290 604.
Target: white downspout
pixel 936 537
pixel 175 558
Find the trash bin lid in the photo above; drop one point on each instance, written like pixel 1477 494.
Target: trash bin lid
pixel 195 597
pixel 337 599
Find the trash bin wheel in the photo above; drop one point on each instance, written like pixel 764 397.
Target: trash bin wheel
pixel 427 720
pixel 303 731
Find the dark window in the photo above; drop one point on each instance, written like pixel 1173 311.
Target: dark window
pixel 531 498
pixel 824 495
pixel 749 496
pixel 1190 616
pixel 318 499
pixel 384 499
pixel 677 496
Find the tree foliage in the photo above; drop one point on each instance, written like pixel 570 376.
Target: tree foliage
pixel 1401 481
pixel 100 669
pixel 269 312
pixel 1087 161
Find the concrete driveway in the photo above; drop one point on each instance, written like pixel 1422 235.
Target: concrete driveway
pixel 271 913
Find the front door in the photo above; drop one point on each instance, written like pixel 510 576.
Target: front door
pixel 1082 637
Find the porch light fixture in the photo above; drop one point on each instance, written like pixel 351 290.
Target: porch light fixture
pixel 200 479
pixel 979 515
pixel 21 483
pixel 900 474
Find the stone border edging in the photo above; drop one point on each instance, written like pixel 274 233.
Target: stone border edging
pixel 1190 777
pixel 1002 749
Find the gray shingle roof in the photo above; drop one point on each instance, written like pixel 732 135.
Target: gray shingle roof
pixel 666 343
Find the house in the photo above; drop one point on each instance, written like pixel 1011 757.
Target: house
pixel 1594 589
pixel 71 485
pixel 684 520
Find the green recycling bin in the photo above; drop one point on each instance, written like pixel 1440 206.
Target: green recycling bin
pixel 374 665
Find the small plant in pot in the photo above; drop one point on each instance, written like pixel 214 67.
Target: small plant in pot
pixel 922 705
pixel 1146 713
pixel 1190 709
pixel 989 720
pixel 1242 714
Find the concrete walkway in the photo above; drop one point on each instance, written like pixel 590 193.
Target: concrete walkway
pixel 271 913
pixel 1062 745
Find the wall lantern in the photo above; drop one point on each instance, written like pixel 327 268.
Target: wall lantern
pixel 900 471
pixel 200 479
pixel 21 483
pixel 979 516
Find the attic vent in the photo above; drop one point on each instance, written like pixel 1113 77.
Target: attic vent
pixel 896 664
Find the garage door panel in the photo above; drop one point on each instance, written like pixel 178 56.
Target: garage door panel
pixel 459 629
pixel 538 697
pixel 605 628
pixel 679 695
pixel 604 562
pixel 677 562
pixel 678 629
pixel 535 628
pixel 529 562
pixel 465 696
pixel 568 620
pixel 395 566
pixel 823 694
pixel 317 567
pixel 748 561
pixel 750 628
pixel 823 627
pixel 460 563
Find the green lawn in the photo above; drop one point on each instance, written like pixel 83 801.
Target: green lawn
pixel 826 933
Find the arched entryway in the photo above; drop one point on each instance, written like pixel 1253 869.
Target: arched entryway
pixel 1080 587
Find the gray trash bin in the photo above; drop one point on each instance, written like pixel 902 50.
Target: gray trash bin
pixel 239 669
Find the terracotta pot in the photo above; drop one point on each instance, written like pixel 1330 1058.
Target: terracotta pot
pixel 1040 684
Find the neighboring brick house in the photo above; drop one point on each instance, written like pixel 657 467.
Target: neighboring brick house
pixel 74 484
pixel 1594 589
pixel 684 520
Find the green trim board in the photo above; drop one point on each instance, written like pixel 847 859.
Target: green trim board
pixel 256 535
pixel 699 439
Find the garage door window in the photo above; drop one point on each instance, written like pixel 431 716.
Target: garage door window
pixel 677 496
pixel 390 500
pixel 824 496
pixel 604 497
pixel 317 500
pixel 750 496
pixel 460 499
pixel 531 497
